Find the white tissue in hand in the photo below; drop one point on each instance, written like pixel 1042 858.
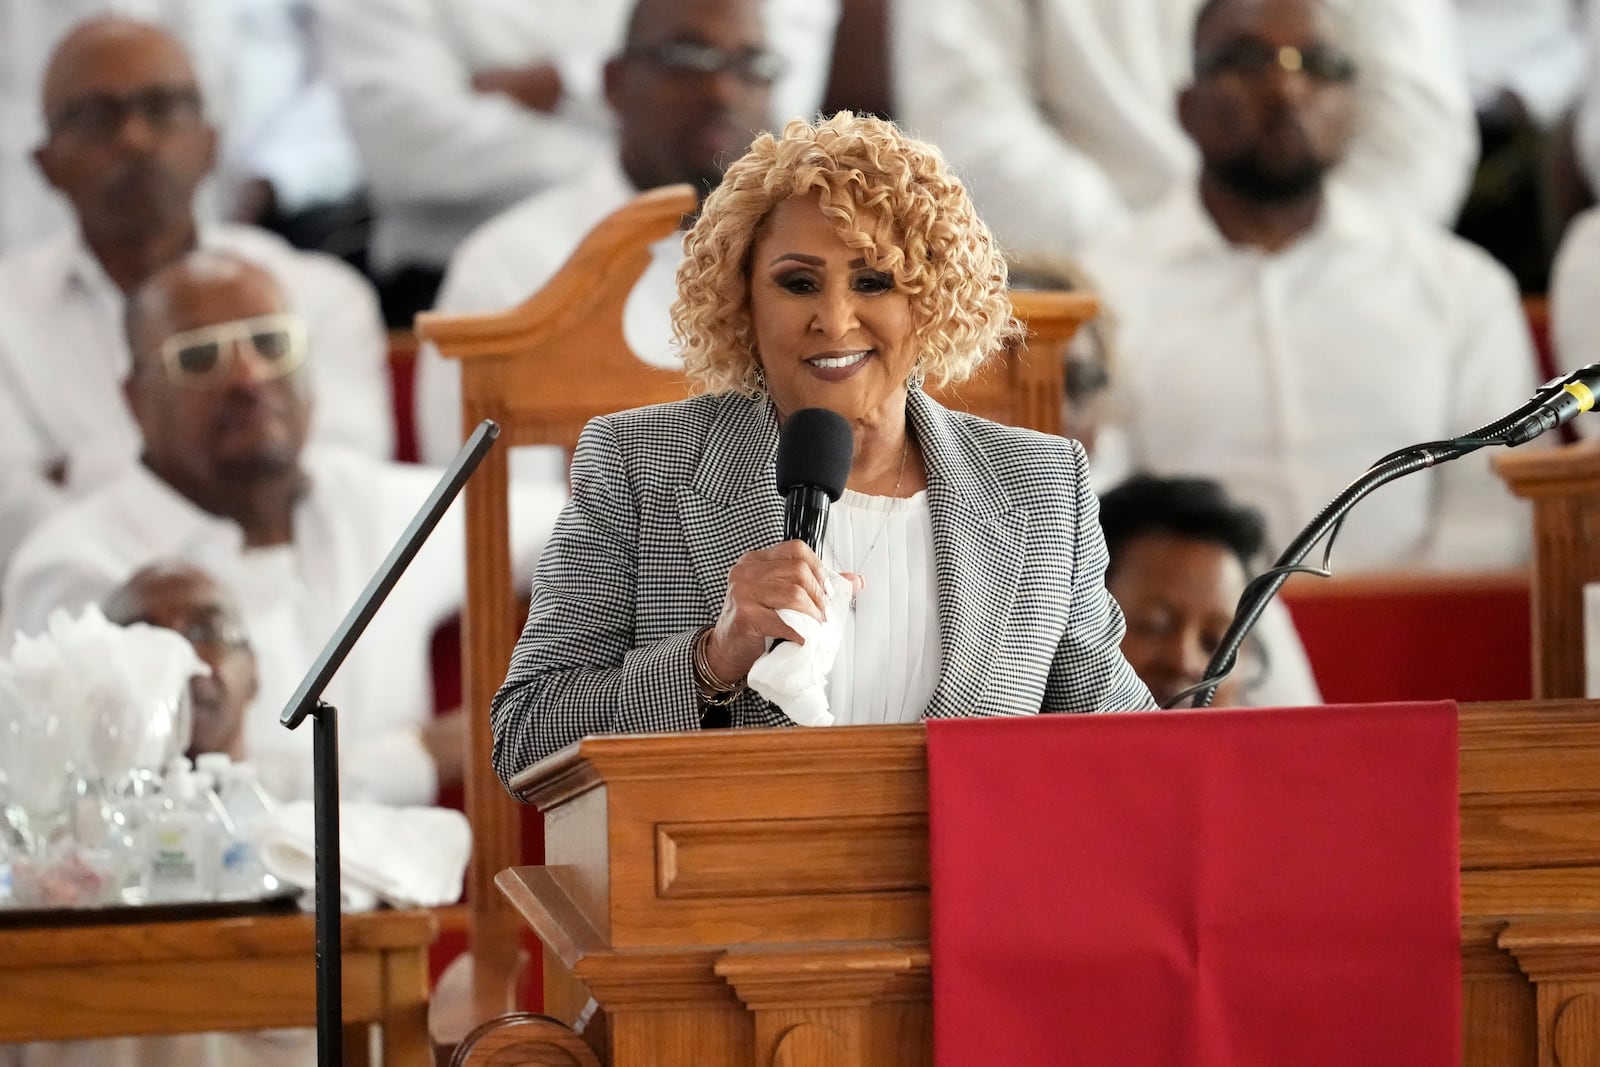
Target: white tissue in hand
pixel 795 676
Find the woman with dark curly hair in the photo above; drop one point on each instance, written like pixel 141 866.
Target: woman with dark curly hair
pixel 842 266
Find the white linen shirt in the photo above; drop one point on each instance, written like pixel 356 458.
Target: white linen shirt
pixel 442 158
pixel 64 356
pixel 293 597
pixel 1284 376
pixel 510 258
pixel 1061 114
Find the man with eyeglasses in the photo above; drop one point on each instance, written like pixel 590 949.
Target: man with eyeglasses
pixel 179 596
pixel 221 388
pixel 29 32
pixel 1280 331
pixel 1059 112
pixel 461 108
pixel 128 145
pixel 690 87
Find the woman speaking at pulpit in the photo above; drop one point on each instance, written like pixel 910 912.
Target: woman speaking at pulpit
pixel 840 266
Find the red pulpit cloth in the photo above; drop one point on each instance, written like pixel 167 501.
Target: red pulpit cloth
pixel 1259 888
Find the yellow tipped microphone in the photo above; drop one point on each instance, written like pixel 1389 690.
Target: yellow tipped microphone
pixel 1557 402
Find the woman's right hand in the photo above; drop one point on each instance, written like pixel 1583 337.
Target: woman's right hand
pixel 787 575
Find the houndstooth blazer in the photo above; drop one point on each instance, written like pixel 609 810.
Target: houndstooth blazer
pixel 666 499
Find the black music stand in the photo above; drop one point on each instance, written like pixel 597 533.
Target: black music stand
pixel 307 701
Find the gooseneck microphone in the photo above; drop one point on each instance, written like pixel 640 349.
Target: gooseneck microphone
pixel 1554 403
pixel 815 448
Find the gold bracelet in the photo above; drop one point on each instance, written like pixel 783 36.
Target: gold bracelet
pixel 713 690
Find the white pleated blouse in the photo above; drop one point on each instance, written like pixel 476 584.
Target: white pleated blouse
pixel 889 658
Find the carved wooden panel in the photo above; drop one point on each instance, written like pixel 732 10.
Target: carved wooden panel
pixel 772 857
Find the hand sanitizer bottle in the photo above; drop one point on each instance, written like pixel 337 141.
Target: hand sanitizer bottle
pixel 182 843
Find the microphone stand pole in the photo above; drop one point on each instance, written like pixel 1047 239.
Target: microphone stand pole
pixel 1260 592
pixel 307 702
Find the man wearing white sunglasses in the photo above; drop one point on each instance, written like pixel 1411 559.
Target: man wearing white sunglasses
pixel 220 387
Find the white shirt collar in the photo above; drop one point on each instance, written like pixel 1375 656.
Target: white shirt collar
pixel 72 262
pixel 1183 229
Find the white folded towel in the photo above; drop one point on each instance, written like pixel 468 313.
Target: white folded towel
pixel 794 676
pixel 406 857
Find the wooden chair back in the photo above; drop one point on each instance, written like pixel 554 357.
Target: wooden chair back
pixel 542 370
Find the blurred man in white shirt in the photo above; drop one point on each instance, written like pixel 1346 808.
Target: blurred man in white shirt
pixel 221 390
pixel 1059 112
pixel 461 108
pixel 1281 332
pixel 30 31
pixel 690 88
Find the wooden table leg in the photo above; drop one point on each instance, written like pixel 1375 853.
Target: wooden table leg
pixel 405 1009
pixel 358 1044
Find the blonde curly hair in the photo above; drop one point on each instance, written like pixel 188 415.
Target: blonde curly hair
pixel 888 195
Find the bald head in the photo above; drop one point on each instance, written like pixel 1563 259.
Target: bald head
pixel 101 50
pixel 148 596
pixel 1221 17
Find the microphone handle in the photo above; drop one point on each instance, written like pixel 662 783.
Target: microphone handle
pixel 805 515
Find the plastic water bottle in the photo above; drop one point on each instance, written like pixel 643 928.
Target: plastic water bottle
pixel 245 806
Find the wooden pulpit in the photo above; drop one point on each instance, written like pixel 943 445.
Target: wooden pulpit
pixel 736 898
pixel 761 897
pixel 1563 485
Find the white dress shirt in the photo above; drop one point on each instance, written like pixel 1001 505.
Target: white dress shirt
pixel 63 358
pixel 29 32
pixel 442 158
pixel 1061 114
pixel 1284 376
pixel 510 258
pixel 889 658
pixel 1533 48
pixel 292 597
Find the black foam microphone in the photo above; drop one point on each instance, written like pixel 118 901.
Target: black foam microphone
pixel 814 453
